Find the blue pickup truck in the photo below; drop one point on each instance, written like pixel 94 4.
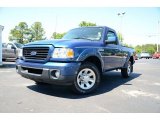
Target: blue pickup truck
pixel 78 59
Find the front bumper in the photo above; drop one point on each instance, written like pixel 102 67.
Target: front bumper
pixel 41 72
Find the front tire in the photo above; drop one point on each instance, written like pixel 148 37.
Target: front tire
pixel 126 72
pixel 87 79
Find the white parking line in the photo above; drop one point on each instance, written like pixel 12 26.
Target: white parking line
pixel 158 84
pixel 102 109
pixel 136 93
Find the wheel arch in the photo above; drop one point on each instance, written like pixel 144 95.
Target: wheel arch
pixel 96 61
pixel 131 59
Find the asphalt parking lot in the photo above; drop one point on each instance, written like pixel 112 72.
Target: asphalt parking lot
pixel 137 94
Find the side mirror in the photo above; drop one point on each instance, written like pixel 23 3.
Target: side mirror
pixel 111 40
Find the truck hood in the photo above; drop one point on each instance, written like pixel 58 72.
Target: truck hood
pixel 67 43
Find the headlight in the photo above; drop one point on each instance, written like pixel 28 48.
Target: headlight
pixel 63 53
pixel 20 53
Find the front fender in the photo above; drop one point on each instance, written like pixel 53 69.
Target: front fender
pixel 90 52
pixel 130 55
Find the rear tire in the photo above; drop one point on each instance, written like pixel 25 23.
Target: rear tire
pixel 126 72
pixel 87 79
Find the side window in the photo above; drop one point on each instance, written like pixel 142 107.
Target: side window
pixel 110 34
pixel 9 46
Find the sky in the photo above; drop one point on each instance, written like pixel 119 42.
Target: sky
pixel 139 25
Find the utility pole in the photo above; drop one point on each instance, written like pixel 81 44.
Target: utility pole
pixel 121 15
pixel 158 35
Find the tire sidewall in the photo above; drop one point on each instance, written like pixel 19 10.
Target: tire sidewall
pixel 95 70
pixel 131 68
pixel 124 71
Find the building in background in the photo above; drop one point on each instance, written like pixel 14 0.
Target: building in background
pixel 1 29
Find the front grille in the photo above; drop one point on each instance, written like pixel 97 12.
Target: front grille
pixel 35 53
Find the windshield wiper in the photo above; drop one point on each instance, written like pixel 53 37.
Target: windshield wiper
pixel 83 38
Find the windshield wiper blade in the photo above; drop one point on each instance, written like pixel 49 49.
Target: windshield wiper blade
pixel 82 38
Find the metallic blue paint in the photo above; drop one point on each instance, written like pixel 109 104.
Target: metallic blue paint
pixel 110 56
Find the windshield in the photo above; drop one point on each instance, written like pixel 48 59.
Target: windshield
pixel 18 45
pixel 88 33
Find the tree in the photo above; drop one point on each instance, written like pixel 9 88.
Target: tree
pixel 85 23
pixel 18 33
pixel 120 37
pixel 138 49
pixel 128 45
pixel 150 48
pixel 37 32
pixel 58 35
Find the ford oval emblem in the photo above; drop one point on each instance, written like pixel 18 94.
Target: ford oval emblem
pixel 33 53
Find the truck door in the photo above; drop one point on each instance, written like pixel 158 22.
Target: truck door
pixel 11 51
pixel 112 52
